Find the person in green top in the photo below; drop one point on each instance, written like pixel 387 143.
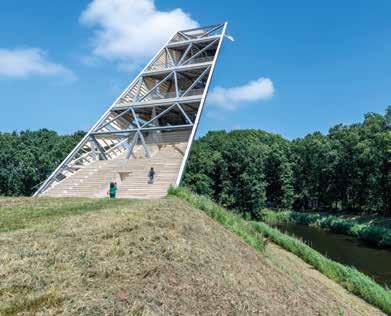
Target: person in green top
pixel 112 190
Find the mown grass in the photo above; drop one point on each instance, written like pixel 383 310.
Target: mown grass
pixel 229 220
pixel 83 266
pixel 376 235
pixel 351 279
pixel 23 213
pixel 32 304
pixel 348 277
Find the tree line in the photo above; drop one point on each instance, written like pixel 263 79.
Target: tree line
pixel 349 168
pixel 247 170
pixel 28 157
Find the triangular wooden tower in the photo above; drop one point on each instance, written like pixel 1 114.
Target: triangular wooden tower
pixel 151 124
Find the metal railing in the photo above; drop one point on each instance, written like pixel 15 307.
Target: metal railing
pixel 169 95
pixel 165 65
pixel 158 96
pixel 199 60
pixel 160 66
pixel 194 92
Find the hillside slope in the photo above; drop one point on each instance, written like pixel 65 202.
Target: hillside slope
pixel 95 257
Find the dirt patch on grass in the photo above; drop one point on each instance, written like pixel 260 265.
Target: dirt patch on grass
pixel 157 257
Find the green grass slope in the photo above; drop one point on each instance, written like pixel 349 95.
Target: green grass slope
pixel 124 257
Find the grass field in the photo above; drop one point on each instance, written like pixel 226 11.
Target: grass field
pixel 22 213
pixel 121 257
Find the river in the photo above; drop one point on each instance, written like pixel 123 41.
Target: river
pixel 345 249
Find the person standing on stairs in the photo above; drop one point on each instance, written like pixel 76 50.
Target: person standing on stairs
pixel 151 175
pixel 112 190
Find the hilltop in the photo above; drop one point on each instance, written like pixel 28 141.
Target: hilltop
pixel 95 257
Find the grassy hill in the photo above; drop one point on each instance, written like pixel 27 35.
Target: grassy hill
pixel 96 257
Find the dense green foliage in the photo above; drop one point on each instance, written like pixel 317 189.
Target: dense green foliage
pixel 351 279
pixel 27 158
pixel 243 169
pixel 377 235
pixel 349 168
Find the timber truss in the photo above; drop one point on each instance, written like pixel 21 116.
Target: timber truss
pixel 163 103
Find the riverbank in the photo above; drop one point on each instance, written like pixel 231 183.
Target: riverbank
pixel 344 249
pixel 348 277
pixel 365 228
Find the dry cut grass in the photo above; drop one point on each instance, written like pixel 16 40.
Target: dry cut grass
pixel 150 258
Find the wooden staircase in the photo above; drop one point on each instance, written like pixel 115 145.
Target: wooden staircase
pixel 131 175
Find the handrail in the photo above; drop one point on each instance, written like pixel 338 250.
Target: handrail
pixel 169 95
pixel 165 65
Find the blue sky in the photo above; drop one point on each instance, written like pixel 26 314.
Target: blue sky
pixel 329 62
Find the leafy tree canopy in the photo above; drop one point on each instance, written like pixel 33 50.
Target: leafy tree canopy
pixel 349 168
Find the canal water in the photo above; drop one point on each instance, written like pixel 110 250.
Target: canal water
pixel 345 249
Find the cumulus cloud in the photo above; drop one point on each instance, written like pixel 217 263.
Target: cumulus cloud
pixel 21 63
pixel 231 98
pixel 131 30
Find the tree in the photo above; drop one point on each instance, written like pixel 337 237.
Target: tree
pixel 27 158
pixel 349 168
pixel 246 170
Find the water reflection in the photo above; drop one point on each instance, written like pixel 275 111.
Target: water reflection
pixel 347 250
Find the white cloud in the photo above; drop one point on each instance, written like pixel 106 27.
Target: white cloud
pixel 131 30
pixel 21 63
pixel 231 98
